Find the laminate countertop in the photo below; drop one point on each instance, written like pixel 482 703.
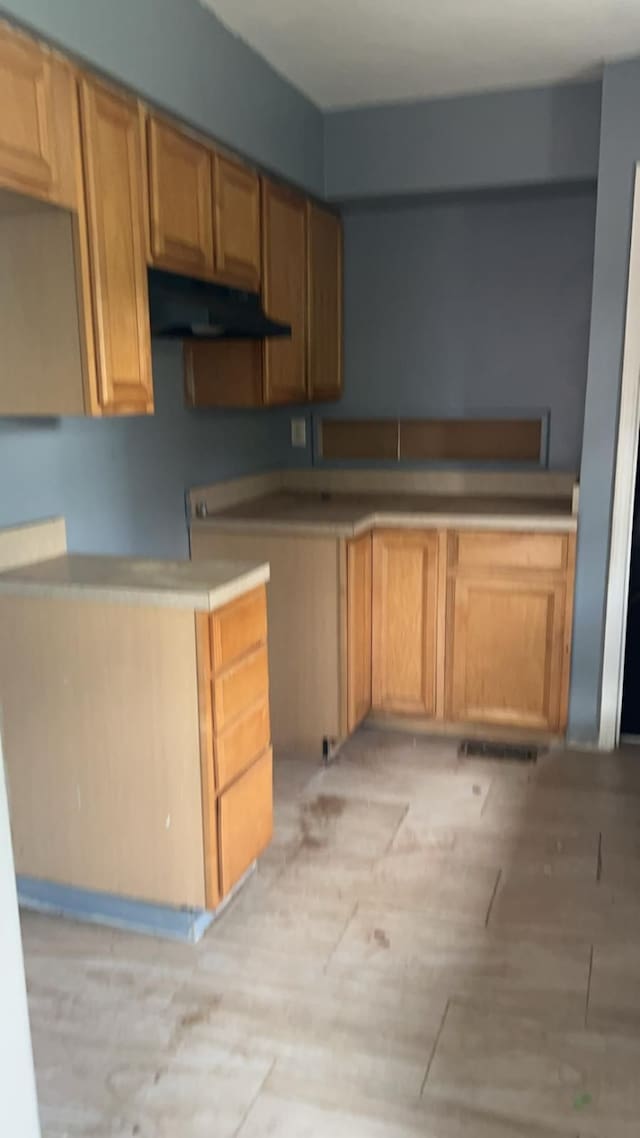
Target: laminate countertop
pixel 202 585
pixel 347 515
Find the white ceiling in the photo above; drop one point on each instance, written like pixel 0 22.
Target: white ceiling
pixel 353 52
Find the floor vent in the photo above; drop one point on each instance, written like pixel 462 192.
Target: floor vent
pixel 486 749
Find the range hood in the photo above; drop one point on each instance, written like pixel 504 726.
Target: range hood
pixel 185 308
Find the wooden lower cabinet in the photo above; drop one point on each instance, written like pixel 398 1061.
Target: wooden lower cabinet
pixel 359 555
pixel 507 651
pixel 456 628
pixel 235 739
pixel 245 821
pixel 509 623
pixel 405 602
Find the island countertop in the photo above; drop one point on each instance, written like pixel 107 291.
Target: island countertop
pixel 349 514
pixel 202 586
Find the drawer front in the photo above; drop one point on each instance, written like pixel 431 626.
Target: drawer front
pixel 238 628
pixel 241 744
pixel 499 550
pixel 246 821
pixel 237 689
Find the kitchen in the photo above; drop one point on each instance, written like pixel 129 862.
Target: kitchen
pixel 393 483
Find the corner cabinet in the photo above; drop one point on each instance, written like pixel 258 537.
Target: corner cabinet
pixel 405 606
pixel 112 150
pixel 324 301
pixel 284 290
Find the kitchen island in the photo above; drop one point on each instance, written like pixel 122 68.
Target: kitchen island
pixel 135 711
pixel 432 600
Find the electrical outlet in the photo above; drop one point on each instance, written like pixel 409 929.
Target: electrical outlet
pixel 298 432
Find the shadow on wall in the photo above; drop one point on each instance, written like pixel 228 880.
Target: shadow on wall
pixel 121 483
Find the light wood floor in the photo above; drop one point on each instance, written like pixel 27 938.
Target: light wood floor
pixel 432 948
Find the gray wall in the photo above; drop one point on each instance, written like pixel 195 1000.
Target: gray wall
pixel 619 151
pixel 471 305
pixel 508 138
pixel 121 483
pixel 181 57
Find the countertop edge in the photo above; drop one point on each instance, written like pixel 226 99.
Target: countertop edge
pixel 523 523
pixel 197 600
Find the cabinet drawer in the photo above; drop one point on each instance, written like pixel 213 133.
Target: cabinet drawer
pixel 499 550
pixel 238 628
pixel 239 746
pixel 237 689
pixel 246 821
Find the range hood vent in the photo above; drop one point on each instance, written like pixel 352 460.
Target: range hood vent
pixel 185 308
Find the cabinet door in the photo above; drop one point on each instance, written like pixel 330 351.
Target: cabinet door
pixel 236 191
pixel 180 200
pixel 405 599
pixel 506 653
pixel 324 298
pixel 358 630
pixel 223 373
pixel 36 88
pixel 112 144
pixel 284 274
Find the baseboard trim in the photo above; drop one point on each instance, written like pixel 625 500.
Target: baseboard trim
pixel 114 911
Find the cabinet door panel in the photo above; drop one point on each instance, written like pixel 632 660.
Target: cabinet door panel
pixel 324 298
pixel 237 222
pixel 38 105
pixel 358 630
pixel 506 654
pixel 112 152
pixel 405 599
pixel 180 200
pixel 27 133
pixel 284 292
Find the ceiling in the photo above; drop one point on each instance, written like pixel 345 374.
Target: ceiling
pixel 354 52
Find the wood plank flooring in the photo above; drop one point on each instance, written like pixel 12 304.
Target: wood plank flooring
pixel 431 948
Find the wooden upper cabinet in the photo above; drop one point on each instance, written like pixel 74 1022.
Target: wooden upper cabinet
pixel 36 103
pixel 358 630
pixel 236 195
pixel 223 373
pixel 180 200
pixel 324 299
pixel 112 146
pixel 405 621
pixel 284 286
